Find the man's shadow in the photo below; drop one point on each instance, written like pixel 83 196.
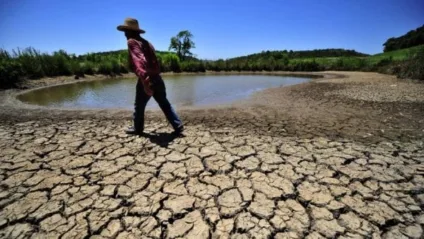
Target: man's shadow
pixel 161 139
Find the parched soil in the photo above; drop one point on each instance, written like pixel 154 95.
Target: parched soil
pixel 339 157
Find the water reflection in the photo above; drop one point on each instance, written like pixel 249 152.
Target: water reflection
pixel 182 91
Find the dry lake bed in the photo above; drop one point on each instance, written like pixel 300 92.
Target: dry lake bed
pixel 337 157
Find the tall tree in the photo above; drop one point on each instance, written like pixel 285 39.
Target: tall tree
pixel 182 43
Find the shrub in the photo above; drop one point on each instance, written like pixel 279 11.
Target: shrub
pixel 77 69
pixel 88 68
pixel 123 68
pixel 385 61
pixel 305 66
pixel 349 64
pixel 10 73
pixel 116 67
pixel 170 62
pixel 62 64
pixel 31 62
pixel 413 68
pixel 105 68
pixel 193 66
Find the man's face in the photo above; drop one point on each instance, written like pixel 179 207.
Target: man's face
pixel 127 34
pixel 131 34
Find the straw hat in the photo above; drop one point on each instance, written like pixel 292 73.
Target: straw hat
pixel 130 24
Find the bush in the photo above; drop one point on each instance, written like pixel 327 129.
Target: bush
pixel 77 69
pixel 413 68
pixel 123 68
pixel 31 62
pixel 193 66
pixel 88 68
pixel 10 73
pixel 349 64
pixel 105 68
pixel 62 64
pixel 116 67
pixel 305 66
pixel 385 61
pixel 219 65
pixel 170 62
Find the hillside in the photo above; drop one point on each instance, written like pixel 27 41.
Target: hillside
pixel 300 54
pixel 410 39
pixel 397 55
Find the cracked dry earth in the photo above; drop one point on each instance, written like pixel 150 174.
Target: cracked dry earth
pixel 87 179
pixel 304 162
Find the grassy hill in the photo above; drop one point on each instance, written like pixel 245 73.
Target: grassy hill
pixel 362 62
pixel 331 52
pixel 397 55
pixel 408 40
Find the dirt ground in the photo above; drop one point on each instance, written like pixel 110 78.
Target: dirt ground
pixel 339 157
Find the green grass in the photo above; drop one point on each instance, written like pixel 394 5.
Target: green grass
pixel 397 55
pixel 319 60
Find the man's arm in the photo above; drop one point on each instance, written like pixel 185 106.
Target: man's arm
pixel 140 64
pixel 138 58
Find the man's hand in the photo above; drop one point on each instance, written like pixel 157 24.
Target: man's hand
pixel 147 86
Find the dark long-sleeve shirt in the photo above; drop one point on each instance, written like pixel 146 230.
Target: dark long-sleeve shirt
pixel 143 58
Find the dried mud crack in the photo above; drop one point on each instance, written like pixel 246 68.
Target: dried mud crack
pixel 304 164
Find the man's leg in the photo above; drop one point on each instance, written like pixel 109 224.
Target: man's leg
pixel 160 96
pixel 141 100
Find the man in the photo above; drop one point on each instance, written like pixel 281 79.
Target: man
pixel 142 57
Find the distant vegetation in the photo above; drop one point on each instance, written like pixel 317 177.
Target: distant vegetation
pixel 410 39
pixel 283 60
pixel 302 54
pixel 182 43
pixel 32 64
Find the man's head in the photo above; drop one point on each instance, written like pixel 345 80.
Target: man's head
pixel 131 34
pixel 131 28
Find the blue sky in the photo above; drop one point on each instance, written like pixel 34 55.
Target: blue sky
pixel 221 28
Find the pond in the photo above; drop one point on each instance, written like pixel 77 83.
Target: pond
pixel 199 90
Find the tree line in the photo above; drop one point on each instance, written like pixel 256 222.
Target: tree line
pixel 410 39
pixel 32 64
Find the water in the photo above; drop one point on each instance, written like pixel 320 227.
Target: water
pixel 181 90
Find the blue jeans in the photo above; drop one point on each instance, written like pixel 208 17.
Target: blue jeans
pixel 159 94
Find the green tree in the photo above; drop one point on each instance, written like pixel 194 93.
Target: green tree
pixel 182 43
pixel 410 39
